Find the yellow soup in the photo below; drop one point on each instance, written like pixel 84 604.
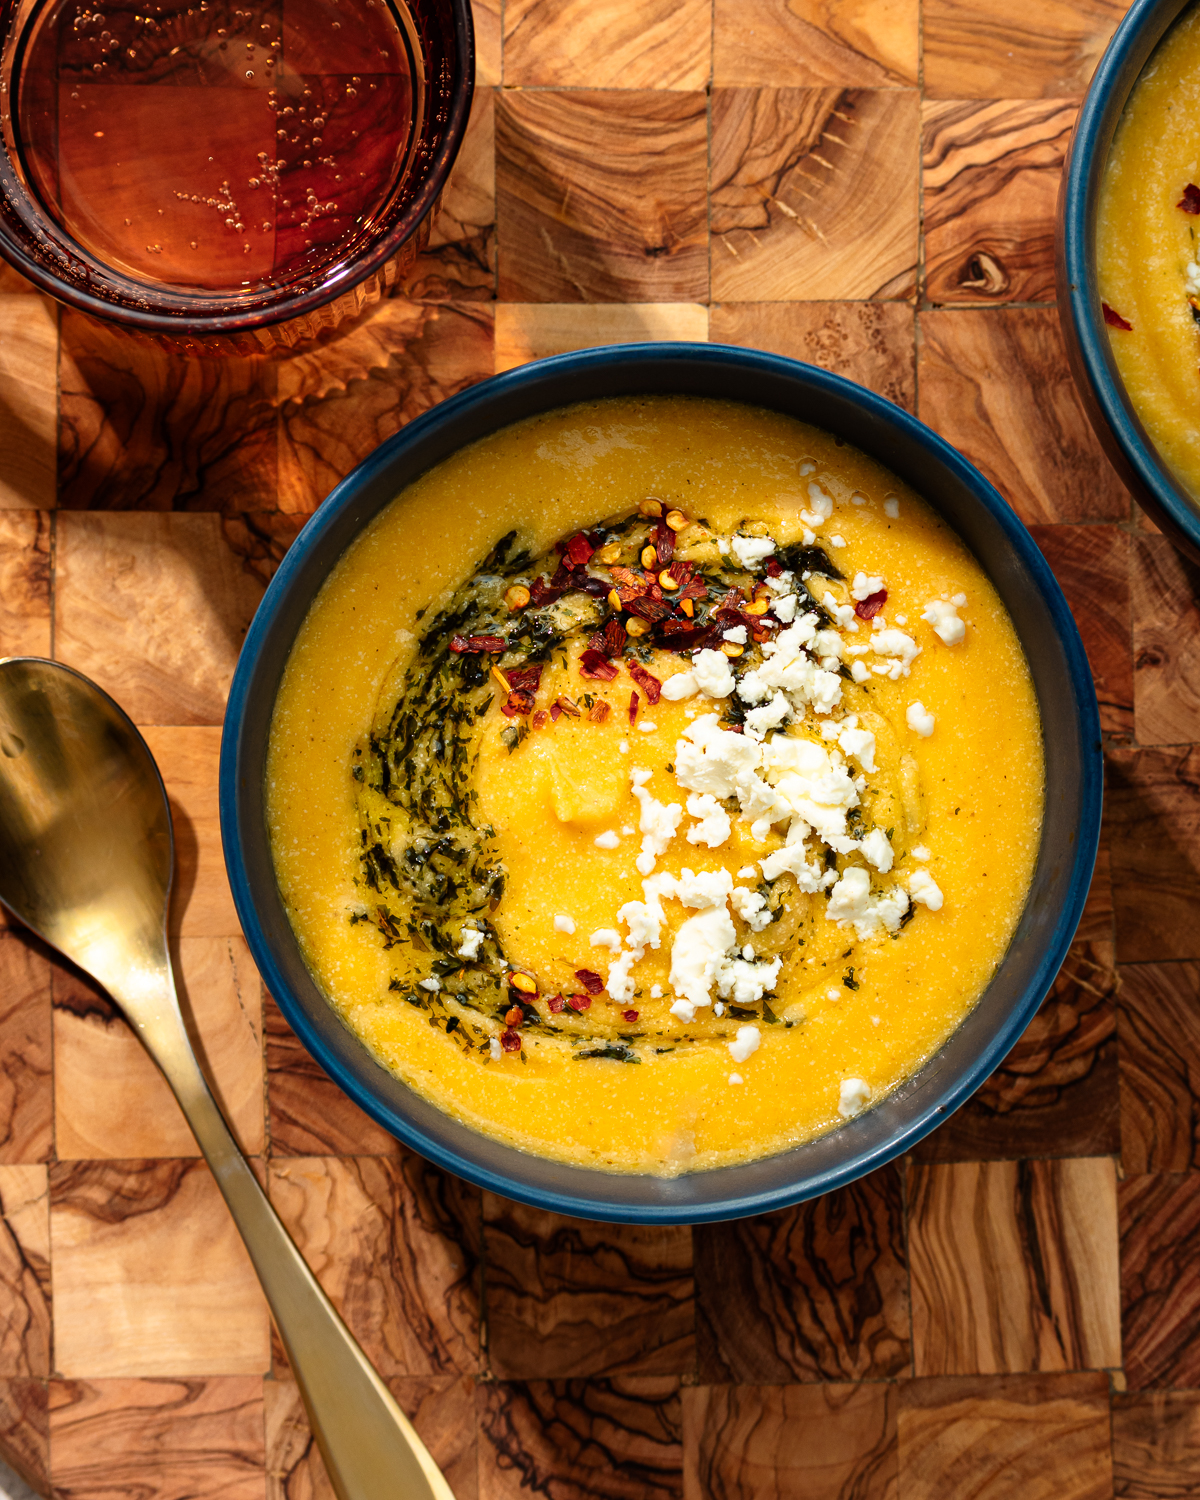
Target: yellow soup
pixel 1146 248
pixel 655 784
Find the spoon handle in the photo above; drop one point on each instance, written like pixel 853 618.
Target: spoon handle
pixel 370 1448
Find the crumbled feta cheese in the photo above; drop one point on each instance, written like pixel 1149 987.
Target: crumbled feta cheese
pixel 722 546
pixel 747 1041
pixel 858 671
pixel 608 840
pixel 656 991
pixel 810 537
pixel 821 502
pixel 472 938
pixel 837 540
pixel 851 901
pixel 901 619
pixel 792 860
pixel 784 608
pixel 752 908
pixel 623 746
pixel 959 600
pixel 495 1051
pixel 708 888
pixel 894 643
pixel 619 983
pixel 853 1098
pixel 750 551
pixel 433 984
pixel 832 994
pixel 684 1010
pixel 563 923
pixel 745 983
pixel 923 888
pixel 770 716
pixel 919 851
pixel 781 583
pixel 860 743
pixel 891 506
pixel 681 685
pixel 606 937
pixel 944 619
pixel 735 1078
pixel 659 821
pixel 737 635
pixel 807 466
pixel 713 759
pixel 865 585
pixel 858 498
pixel 714 826
pixel 877 850
pixel 919 719
pixel 712 673
pixel 747 872
pixel 647 726
pixel 698 953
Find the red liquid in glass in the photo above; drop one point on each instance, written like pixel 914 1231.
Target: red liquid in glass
pixel 215 147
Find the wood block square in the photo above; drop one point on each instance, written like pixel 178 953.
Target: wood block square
pixel 150 1276
pixel 158 1439
pixel 154 608
pixel 995 383
pixel 1096 924
pixel 761 1442
pixel 1166 643
pixel 1039 1437
pixel 1091 564
pixel 535 330
pixel 338 401
pixel 1014 1266
pixel 989 185
pixel 25 1431
pixel 24 583
pixel 986 49
pixel 814 194
pixel 110 1098
pixel 871 44
pixel 308 1114
pixel 188 758
pixel 1160 1279
pixel 26 1094
pixel 395 1243
pixel 617 44
pixel 1156 1445
pixel 1055 1094
pixel 440 1407
pixel 28 406
pixel 459 262
pixel 488 58
pixel 141 429
pixel 1159 1042
pixel 600 196
pixel 1153 801
pixel 568 1297
pixel 24 1272
pixel 815 1292
pixel 617 1439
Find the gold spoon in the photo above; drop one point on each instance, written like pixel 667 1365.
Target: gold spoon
pixel 86 859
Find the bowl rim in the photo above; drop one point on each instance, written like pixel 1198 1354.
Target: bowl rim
pixel 945 1097
pixel 198 325
pixel 1129 444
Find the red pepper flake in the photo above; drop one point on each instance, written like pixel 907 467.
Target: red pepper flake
pixel 600 711
pixel 579 1002
pixel 595 664
pixel 519 704
pixel 461 643
pixel 567 705
pixel 633 706
pixel 590 981
pixel 648 608
pixel 629 1015
pixel 1190 202
pixel 541 593
pixel 868 608
pixel 614 638
pixel 515 1016
pixel 578 550
pixel 664 544
pixel 649 684
pixel 555 713
pixel 555 1003
pixel 627 580
pixel 1114 319
pixel 773 568
pixel 524 679
pixel 539 719
pixel 510 1041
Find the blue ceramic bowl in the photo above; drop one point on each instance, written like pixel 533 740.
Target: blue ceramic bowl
pixel 1117 425
pixel 1073 771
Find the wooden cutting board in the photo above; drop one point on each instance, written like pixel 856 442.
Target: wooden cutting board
pixel 1011 1311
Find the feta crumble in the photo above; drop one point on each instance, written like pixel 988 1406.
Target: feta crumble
pixel 735 1078
pixel 919 719
pixel 714 826
pixel 750 551
pixel 432 984
pixel 606 937
pixel 943 616
pixel 891 507
pixel 747 1041
pixel 923 888
pixel 647 726
pixel 865 585
pixel 607 840
pixel 563 923
pixel 659 821
pixel 495 1051
pixel 853 1097
pixel 737 635
pixel 472 938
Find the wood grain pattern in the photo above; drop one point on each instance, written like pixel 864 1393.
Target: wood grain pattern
pixel 600 196
pixel 617 1439
pixel 989 185
pixel 566 1297
pixel 535 330
pixel 816 1292
pixel 24 1272
pixel 1092 565
pixel 1160 1068
pixel 1014 1266
pixel 995 383
pixel 1154 815
pixel 25 1430
pixel 168 1439
pixel 1156 1445
pixel 25 582
pixel 873 343
pixel 813 194
pixel 1166 643
pixel 26 1098
pixel 150 1276
pixel 868 44
pixel 489 61
pixel 28 401
pixel 985 49
pixel 339 402
pixel 111 1100
pixel 1160 1279
pixel 154 608
pixel 821 1442
pixel 613 44
pixel 1037 1437
pixel 352 1218
pixel 1056 1093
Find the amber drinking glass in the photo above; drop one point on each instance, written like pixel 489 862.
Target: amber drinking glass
pixel 226 173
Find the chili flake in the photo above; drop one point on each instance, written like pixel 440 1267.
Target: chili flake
pixel 510 1041
pixel 1114 319
pixel 579 1002
pixel 868 608
pixel 579 550
pixel 593 663
pixel 515 1016
pixel 490 643
pixel 633 706
pixel 649 684
pixel 590 981
pixel 600 711
pixel 1190 202
pixel 629 1015
pixel 555 1003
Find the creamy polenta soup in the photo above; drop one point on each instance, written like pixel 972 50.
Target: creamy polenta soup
pixel 655 784
pixel 1147 256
